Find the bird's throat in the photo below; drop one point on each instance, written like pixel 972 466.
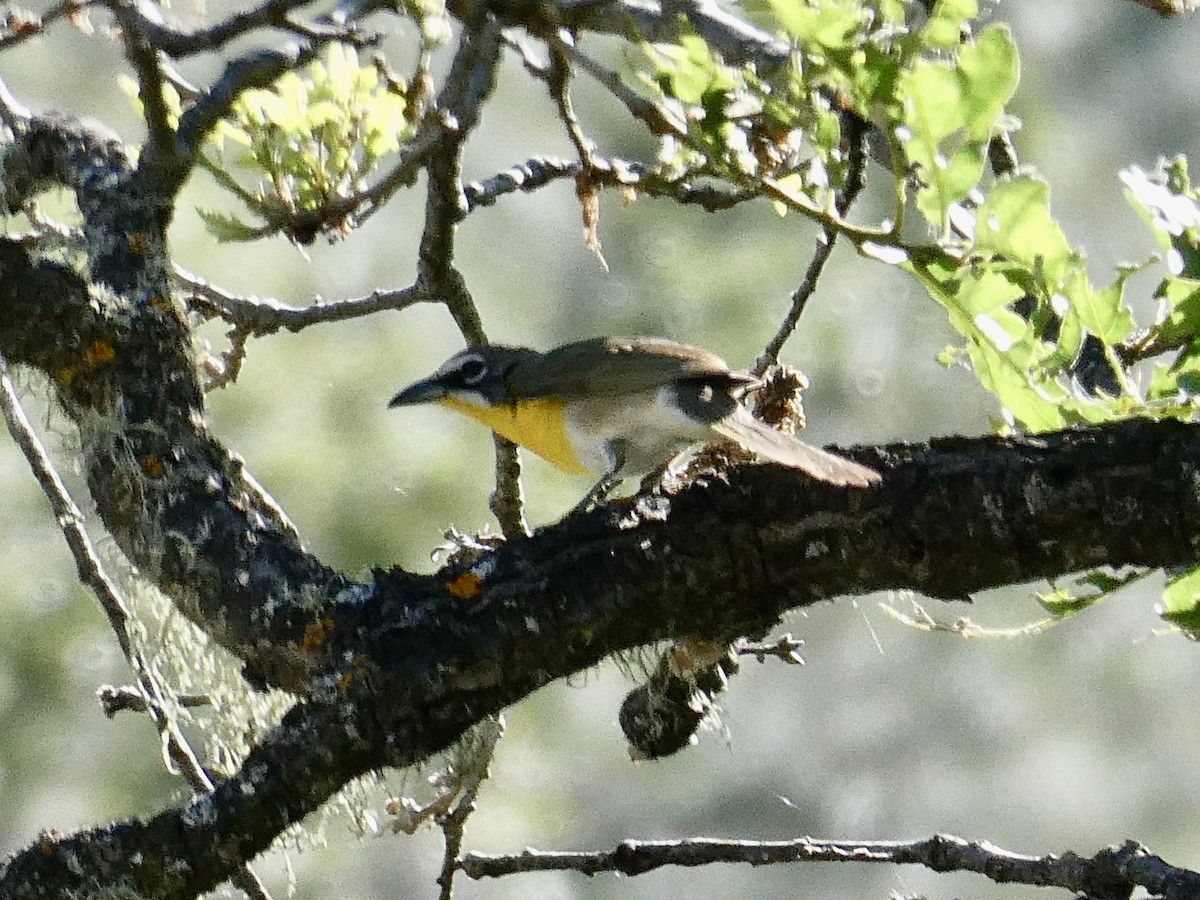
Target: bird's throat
pixel 538 425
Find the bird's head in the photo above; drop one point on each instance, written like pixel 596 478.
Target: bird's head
pixel 477 376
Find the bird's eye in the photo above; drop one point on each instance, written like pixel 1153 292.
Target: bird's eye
pixel 472 371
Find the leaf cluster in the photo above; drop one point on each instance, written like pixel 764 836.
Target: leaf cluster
pixel 308 143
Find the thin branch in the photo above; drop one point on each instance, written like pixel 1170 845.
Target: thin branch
pixel 1113 872
pixel 263 316
pixel 69 517
pixel 507 501
pixel 470 81
pixel 179 44
pixel 470 766
pixel 130 698
pixel 785 648
pixel 660 118
pixel 539 171
pixel 224 372
pixel 559 82
pixel 737 41
pixel 402 174
pixel 855 181
pixel 452 827
pixel 142 53
pixel 22 25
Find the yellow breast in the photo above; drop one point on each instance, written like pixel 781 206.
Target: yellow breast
pixel 538 425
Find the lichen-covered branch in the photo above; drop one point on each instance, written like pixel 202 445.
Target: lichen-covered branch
pixel 119 356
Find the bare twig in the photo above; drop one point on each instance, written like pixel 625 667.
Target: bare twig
pixel 737 41
pixel 130 698
pixel 539 171
pixel 224 371
pixel 470 81
pixel 179 44
pixel 559 81
pixel 785 648
pixel 660 118
pixel 22 25
pixel 856 136
pixel 263 316
pixel 1113 872
pixel 452 826
pixel 69 517
pixel 142 53
pixel 402 174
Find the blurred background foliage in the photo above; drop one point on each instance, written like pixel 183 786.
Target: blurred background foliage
pixel 1070 739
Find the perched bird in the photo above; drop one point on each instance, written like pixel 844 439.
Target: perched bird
pixel 617 407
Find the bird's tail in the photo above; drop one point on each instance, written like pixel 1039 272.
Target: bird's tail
pixel 758 437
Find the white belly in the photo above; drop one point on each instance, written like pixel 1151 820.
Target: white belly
pixel 649 429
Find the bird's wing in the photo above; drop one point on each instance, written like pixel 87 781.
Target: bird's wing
pixel 604 367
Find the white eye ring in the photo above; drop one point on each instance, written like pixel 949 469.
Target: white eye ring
pixel 473 370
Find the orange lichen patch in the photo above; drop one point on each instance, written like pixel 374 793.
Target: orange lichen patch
pixel 347 678
pixel 152 466
pixel 139 243
pixel 65 377
pixel 99 353
pixel 317 632
pixel 465 586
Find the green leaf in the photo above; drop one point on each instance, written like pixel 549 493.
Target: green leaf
pixel 1061 603
pixel 1107 581
pixel 949 112
pixel 310 139
pixel 1103 313
pixel 1181 601
pixel 1180 381
pixel 1179 313
pixel 1171 210
pixel 1064 601
pixel 830 25
pixel 228 228
pixel 945 25
pixel 1014 222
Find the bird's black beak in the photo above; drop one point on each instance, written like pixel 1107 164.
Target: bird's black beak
pixel 425 391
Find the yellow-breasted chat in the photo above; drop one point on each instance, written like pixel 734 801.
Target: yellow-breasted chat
pixel 617 407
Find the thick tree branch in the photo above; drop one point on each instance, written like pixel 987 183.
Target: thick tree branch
pixel 121 362
pixel 182 853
